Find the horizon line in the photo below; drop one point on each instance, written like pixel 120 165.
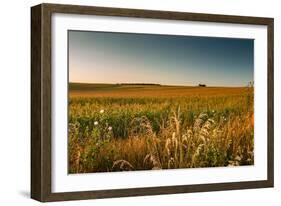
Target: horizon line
pixel 159 84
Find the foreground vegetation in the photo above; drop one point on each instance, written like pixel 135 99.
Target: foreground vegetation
pixel 144 127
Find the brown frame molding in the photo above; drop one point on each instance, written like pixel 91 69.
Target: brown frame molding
pixel 41 101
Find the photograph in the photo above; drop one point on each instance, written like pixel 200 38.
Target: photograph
pixel 139 101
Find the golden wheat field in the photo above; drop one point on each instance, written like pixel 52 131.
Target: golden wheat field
pixel 123 127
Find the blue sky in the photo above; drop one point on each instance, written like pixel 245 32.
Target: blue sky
pixel 104 57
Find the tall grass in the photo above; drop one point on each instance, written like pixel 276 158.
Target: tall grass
pixel 119 134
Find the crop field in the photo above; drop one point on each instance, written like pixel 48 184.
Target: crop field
pixel 128 127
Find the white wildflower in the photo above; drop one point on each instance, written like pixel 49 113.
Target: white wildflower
pixel 96 123
pixel 101 111
pixel 109 128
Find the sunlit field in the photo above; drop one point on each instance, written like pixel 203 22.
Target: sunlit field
pixel 146 127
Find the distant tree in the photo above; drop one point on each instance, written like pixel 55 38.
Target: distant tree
pixel 251 84
pixel 202 85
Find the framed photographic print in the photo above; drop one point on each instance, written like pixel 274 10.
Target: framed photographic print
pixel 132 102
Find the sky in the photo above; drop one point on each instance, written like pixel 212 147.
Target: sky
pixel 109 57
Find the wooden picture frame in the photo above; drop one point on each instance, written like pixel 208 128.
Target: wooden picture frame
pixel 41 161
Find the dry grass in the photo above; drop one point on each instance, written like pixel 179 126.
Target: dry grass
pixel 144 133
pixel 152 91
